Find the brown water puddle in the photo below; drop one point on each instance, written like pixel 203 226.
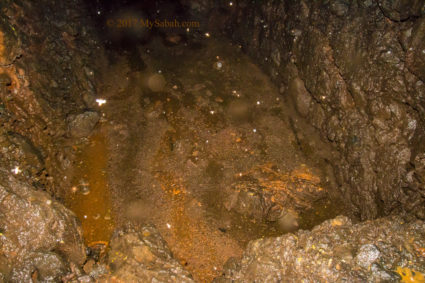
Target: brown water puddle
pixel 90 198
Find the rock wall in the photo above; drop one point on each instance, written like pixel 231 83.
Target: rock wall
pixel 46 85
pixel 355 70
pixel 39 237
pixel 383 250
pixel 139 254
pixel 46 50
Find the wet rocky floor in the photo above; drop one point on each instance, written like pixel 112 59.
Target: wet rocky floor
pixel 184 163
pixel 199 143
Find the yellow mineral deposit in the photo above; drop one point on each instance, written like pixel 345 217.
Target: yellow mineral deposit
pixel 410 276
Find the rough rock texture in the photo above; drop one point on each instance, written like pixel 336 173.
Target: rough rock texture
pixel 383 250
pixel 141 255
pixel 354 70
pixel 82 125
pixel 37 234
pixel 220 136
pixel 45 50
pixel 45 53
pixel 266 193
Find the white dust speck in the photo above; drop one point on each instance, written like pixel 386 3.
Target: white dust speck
pixel 100 101
pixel 16 170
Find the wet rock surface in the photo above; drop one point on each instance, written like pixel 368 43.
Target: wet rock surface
pixel 192 137
pixel 354 70
pixel 141 255
pixel 265 193
pixel 82 125
pixel 211 156
pixel 45 54
pixel 336 251
pixel 39 237
pixel 402 10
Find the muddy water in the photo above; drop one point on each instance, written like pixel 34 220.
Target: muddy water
pixel 90 197
pixel 179 141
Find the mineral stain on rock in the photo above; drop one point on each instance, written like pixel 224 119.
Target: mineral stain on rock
pixel 219 153
pixel 410 276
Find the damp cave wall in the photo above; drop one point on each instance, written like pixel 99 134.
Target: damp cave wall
pixel 48 55
pixel 355 70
